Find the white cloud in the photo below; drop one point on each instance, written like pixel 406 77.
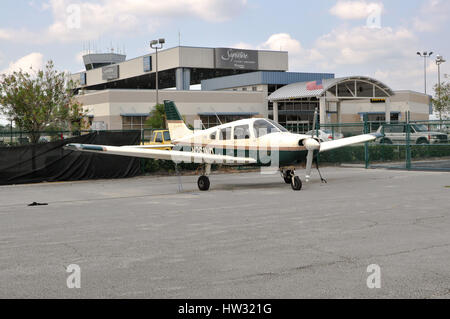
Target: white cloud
pixel 434 15
pixel 282 42
pixel 5 34
pixel 33 60
pixel 387 54
pixel 355 10
pixel 79 57
pixel 88 20
pixel 40 5
pixel 361 45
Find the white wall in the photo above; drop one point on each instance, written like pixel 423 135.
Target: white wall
pixel 113 103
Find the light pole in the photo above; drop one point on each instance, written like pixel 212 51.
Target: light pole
pixel 439 61
pixel 425 55
pixel 157 44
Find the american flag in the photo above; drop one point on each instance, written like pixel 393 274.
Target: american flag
pixel 315 85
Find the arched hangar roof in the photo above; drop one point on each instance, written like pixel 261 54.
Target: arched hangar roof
pixel 345 87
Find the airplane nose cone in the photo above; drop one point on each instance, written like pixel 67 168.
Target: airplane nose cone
pixel 311 144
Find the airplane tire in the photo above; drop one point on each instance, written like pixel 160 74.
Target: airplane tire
pixel 296 183
pixel 287 177
pixel 203 183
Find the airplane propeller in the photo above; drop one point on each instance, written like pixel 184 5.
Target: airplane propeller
pixel 311 144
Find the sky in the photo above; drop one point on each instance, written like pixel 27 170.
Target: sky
pixel 370 38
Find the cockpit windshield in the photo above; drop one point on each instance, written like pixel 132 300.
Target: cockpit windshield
pixel 264 127
pixel 281 128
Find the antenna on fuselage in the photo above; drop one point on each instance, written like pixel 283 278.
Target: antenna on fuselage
pixel 215 113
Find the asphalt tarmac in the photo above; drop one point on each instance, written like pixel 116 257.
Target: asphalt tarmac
pixel 250 236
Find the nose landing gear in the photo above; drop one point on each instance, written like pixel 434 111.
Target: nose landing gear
pixel 289 178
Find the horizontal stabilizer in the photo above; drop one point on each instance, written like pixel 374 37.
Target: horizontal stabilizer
pixel 150 146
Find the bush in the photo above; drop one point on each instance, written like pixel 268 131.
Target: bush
pixel 150 166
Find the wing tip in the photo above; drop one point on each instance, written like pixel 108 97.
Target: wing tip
pixel 377 135
pixel 82 147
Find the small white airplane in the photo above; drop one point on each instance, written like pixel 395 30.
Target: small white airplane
pixel 254 142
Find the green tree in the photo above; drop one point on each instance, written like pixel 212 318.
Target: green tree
pixel 157 117
pixel 441 100
pixel 36 100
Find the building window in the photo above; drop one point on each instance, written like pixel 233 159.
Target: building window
pixel 134 123
pixel 147 61
pixel 254 88
pixel 83 79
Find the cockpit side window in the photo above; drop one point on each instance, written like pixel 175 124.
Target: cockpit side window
pixel 213 136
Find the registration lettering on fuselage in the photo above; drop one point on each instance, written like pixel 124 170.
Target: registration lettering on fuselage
pixel 203 150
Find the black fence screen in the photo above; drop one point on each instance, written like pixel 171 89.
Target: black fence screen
pixel 49 162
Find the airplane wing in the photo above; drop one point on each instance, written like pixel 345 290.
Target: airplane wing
pixel 149 146
pixel 176 156
pixel 331 145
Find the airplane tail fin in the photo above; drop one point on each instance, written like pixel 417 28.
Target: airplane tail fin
pixel 175 123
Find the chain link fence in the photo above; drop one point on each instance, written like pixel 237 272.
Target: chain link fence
pixel 420 145
pixel 14 137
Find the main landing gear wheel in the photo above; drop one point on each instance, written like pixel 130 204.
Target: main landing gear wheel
pixel 203 183
pixel 287 176
pixel 296 183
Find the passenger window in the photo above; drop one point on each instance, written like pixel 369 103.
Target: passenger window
pixel 242 132
pixel 225 134
pixel 159 138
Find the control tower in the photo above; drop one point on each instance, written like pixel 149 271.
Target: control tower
pixel 98 60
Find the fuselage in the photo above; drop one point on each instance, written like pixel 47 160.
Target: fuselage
pixel 261 139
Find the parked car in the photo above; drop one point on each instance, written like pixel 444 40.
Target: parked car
pixel 326 135
pixel 419 134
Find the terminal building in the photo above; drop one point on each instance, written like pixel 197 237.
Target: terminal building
pixel 235 84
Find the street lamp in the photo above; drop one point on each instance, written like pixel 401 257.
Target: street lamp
pixel 157 44
pixel 425 55
pixel 439 61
